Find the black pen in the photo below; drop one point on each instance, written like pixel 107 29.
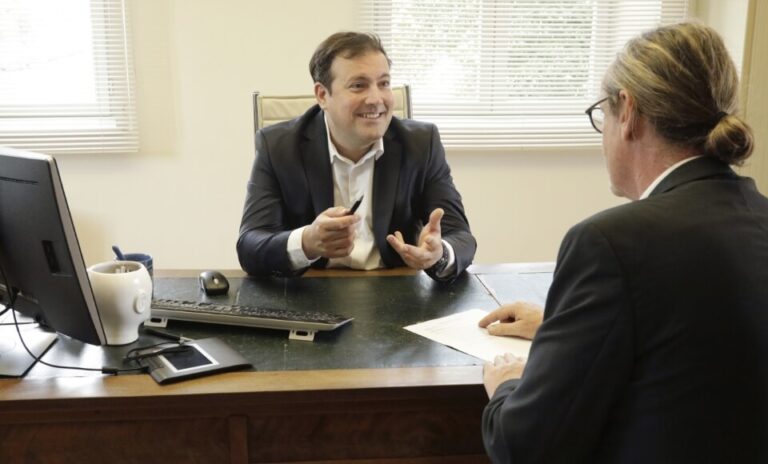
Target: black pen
pixel 355 206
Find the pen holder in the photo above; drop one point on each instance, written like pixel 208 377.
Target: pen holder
pixel 123 293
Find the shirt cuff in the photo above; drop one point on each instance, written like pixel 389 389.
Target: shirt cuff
pixel 295 251
pixel 451 266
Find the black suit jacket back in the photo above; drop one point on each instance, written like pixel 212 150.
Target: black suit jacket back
pixel 654 347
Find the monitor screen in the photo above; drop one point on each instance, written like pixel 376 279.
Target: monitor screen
pixel 40 259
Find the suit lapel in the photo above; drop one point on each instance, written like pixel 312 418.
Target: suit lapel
pixel 699 168
pixel 386 175
pixel 317 165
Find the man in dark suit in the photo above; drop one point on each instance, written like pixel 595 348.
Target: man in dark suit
pixel 654 342
pixel 349 147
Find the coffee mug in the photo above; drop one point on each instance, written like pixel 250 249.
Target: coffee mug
pixel 142 258
pixel 123 292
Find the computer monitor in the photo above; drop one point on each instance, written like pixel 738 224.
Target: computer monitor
pixel 40 259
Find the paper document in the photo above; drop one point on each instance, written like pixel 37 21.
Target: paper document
pixel 460 331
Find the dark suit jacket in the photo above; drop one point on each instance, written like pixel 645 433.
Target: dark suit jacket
pixel 654 346
pixel 292 183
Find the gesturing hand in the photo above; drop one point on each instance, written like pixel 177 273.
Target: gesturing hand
pixel 331 234
pixel 429 248
pixel 518 319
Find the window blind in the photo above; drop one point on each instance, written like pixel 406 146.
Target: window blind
pixel 66 76
pixel 505 73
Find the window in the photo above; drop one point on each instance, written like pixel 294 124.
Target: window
pixel 507 73
pixel 66 76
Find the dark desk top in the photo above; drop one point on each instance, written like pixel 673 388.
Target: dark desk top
pixel 381 306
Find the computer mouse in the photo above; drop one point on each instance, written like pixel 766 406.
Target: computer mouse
pixel 213 283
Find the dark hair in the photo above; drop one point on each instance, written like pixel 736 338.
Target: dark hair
pixel 686 85
pixel 345 44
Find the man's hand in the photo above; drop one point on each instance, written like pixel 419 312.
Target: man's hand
pixel 429 248
pixel 519 319
pixel 331 234
pixel 503 368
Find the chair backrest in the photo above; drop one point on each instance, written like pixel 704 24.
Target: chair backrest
pixel 268 110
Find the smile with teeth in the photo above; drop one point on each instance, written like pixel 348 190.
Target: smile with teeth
pixel 371 115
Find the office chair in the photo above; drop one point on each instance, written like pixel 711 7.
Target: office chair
pixel 268 110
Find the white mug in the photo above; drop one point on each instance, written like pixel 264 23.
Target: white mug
pixel 123 292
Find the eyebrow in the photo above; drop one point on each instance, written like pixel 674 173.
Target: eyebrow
pixel 365 78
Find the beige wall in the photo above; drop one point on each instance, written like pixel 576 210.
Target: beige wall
pixel 180 198
pixel 197 63
pixel 747 23
pixel 756 90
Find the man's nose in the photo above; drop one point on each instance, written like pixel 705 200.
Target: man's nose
pixel 374 96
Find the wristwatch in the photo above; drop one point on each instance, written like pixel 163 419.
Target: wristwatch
pixel 441 263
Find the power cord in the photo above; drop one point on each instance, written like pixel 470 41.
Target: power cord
pixel 136 355
pixel 104 370
pixel 9 307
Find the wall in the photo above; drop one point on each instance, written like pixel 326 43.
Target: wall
pixel 755 93
pixel 727 16
pixel 180 197
pixel 197 64
pixel 746 49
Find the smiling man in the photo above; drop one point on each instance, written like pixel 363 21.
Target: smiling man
pixel 309 171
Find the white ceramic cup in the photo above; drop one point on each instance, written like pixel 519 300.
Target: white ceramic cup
pixel 123 292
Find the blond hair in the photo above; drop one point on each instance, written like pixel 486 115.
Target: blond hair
pixel 684 82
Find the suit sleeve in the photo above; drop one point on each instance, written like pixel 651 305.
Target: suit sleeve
pixel 440 192
pixel 579 364
pixel 262 246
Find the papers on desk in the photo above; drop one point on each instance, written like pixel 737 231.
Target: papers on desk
pixel 460 331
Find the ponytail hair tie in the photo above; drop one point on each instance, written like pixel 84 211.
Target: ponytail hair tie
pixel 720 115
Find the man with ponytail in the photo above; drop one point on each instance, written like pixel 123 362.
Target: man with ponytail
pixel 654 341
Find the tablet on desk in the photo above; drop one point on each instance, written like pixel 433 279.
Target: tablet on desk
pixel 196 359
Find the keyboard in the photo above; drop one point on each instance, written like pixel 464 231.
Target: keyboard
pixel 246 315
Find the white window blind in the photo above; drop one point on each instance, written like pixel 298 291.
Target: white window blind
pixel 66 76
pixel 506 73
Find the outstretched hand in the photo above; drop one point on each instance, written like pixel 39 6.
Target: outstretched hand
pixel 518 319
pixel 429 248
pixel 331 234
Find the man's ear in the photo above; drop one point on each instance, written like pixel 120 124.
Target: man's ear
pixel 628 117
pixel 320 94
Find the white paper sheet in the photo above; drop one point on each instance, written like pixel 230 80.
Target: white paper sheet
pixel 460 331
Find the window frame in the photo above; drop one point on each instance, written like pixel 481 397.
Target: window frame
pixel 516 122
pixel 107 125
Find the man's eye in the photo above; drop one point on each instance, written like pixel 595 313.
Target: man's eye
pixel 384 84
pixel 357 85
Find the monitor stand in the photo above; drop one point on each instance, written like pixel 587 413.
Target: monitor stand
pixel 14 359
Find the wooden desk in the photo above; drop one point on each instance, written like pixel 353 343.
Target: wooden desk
pixel 427 413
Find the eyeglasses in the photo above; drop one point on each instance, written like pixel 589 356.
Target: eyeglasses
pixel 596 115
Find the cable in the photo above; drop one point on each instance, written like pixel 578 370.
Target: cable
pixel 136 356
pixel 171 349
pixel 103 370
pixel 7 290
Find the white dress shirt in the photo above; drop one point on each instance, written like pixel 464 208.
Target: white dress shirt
pixel 664 174
pixel 350 182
